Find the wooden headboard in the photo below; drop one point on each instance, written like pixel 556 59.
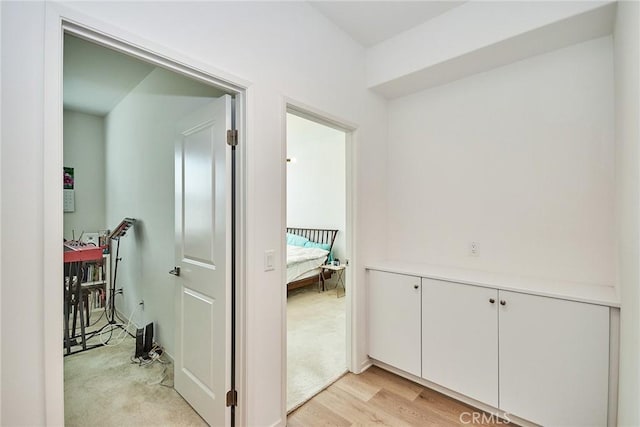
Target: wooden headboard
pixel 318 235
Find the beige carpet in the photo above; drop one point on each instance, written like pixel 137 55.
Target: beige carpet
pixel 316 342
pixel 102 387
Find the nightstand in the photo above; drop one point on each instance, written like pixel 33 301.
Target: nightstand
pixel 339 270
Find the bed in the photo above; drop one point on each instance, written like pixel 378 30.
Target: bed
pixel 304 260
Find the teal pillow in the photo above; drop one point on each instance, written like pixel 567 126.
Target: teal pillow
pixel 296 240
pixel 325 246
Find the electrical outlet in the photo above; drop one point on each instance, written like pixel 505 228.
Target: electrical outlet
pixel 474 249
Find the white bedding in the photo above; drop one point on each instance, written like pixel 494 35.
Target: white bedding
pixel 301 261
pixel 311 273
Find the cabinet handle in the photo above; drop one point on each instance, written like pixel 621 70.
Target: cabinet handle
pixel 416 286
pixel 492 300
pixel 503 302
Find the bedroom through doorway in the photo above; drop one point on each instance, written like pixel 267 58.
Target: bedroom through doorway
pixel 317 257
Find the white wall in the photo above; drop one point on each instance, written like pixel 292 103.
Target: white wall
pixel 469 28
pixel 627 91
pixel 316 187
pixel 284 49
pixel 140 151
pixel 519 159
pixel 22 203
pixel 0 213
pixel 84 151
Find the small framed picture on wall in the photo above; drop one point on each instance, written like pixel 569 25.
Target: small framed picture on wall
pixel 68 178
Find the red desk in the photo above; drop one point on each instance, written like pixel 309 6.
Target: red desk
pixel 76 256
pixel 82 253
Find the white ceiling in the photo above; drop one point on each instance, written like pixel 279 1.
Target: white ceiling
pixel 97 78
pixel 92 86
pixel 370 22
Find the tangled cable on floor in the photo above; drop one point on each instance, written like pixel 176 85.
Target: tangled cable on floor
pixel 121 336
pixel 154 355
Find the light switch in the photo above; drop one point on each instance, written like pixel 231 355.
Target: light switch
pixel 269 260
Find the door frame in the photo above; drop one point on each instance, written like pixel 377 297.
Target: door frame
pixel 351 132
pixel 58 21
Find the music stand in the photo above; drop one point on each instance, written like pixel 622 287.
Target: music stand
pixel 116 234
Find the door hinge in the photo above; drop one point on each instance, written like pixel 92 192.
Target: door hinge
pixel 232 137
pixel 232 398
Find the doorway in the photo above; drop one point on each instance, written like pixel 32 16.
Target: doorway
pixel 141 234
pixel 318 288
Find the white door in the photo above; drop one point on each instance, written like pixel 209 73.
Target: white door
pixel 460 338
pixel 554 360
pixel 394 319
pixel 203 242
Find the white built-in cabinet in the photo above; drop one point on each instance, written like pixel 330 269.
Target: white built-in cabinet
pixel 394 334
pixel 539 358
pixel 460 338
pixel 554 360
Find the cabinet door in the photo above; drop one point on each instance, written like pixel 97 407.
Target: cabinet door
pixel 394 320
pixel 460 338
pixel 554 360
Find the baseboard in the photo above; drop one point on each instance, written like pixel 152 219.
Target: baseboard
pixel 366 364
pixel 126 321
pixel 169 358
pixel 454 395
pixel 278 423
pixel 132 331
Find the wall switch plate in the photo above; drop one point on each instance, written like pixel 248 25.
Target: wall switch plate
pixel 269 260
pixel 474 249
pixel 69 200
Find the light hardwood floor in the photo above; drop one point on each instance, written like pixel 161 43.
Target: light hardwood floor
pixel 377 397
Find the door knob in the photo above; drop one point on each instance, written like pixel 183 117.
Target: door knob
pixel 503 302
pixel 492 300
pixel 175 271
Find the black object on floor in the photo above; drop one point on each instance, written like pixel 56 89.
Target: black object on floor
pixel 148 339
pixel 139 344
